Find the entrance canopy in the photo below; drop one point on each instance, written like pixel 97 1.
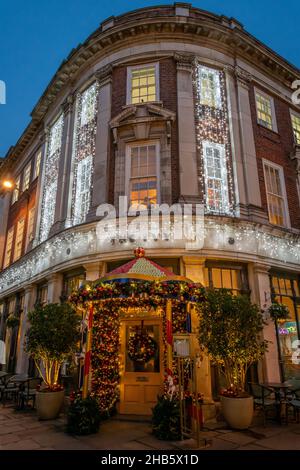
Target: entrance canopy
pixel 139 280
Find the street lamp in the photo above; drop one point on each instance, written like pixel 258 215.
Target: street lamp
pixel 7 184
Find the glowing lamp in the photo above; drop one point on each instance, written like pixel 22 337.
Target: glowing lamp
pixel 7 184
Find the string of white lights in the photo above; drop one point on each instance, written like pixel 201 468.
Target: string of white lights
pixel 84 151
pixel 51 177
pixel 213 141
pixel 246 239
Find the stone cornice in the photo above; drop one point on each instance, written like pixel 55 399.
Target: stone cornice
pixel 145 25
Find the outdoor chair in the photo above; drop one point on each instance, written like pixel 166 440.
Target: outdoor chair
pixel 294 402
pixel 10 389
pixel 27 392
pixel 263 399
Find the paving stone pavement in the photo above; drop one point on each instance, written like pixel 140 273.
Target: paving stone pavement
pixel 23 431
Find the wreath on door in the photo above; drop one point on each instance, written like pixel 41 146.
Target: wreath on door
pixel 141 347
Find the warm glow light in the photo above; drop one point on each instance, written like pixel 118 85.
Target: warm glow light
pixel 7 184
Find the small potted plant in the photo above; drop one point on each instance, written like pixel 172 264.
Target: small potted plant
pixel 230 328
pixel 51 339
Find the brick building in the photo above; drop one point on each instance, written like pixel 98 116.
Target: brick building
pixel 166 104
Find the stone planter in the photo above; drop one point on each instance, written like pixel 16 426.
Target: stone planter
pixel 238 412
pixel 49 404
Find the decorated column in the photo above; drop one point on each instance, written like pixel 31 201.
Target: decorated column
pixel 22 357
pixel 261 295
pixel 194 270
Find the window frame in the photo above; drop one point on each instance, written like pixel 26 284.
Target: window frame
pixel 130 69
pixel 218 95
pixel 29 220
pixel 35 173
pixel 16 256
pixel 27 166
pixel 222 149
pixel 16 191
pixel 78 194
pixel 7 259
pixel 287 222
pixel 258 91
pixel 129 146
pixel 297 115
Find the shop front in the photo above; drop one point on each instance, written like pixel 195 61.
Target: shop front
pixel 134 312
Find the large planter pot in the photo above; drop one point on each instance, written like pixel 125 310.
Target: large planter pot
pixel 238 412
pixel 49 404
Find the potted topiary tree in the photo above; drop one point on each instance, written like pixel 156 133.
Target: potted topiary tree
pixel 51 339
pixel 230 328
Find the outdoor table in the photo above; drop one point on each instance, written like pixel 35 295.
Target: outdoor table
pixel 279 387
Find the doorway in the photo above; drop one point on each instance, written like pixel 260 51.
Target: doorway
pixel 142 374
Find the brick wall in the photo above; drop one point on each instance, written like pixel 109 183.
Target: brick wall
pixel 168 95
pixel 20 210
pixel 277 147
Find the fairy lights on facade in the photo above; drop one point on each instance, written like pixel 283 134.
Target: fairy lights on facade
pixel 84 152
pixel 51 177
pixel 248 238
pixel 213 141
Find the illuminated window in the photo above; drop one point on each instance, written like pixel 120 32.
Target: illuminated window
pixel 296 127
pixel 8 247
pixel 265 111
pixel 37 165
pixel 216 178
pixel 209 87
pixel 16 191
pixel 227 277
pixel 42 294
pixel 30 226
pixel 285 290
pixel 276 195
pixel 142 171
pixel 88 105
pixel 83 189
pixel 19 239
pixel 26 177
pixel 142 84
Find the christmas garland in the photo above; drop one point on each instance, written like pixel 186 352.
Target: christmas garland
pixel 151 292
pixel 141 347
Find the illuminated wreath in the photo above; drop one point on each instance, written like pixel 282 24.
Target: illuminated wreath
pixel 141 347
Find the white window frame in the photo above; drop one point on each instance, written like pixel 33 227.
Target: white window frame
pixel 287 222
pixel 218 97
pixel 30 222
pixel 16 190
pixel 19 243
pixel 7 254
pixel 297 115
pixel 258 91
pixel 224 174
pixel 28 166
pixel 78 194
pixel 86 90
pixel 38 157
pixel 129 76
pixel 128 166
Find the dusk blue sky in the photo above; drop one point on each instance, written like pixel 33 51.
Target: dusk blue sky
pixel 36 35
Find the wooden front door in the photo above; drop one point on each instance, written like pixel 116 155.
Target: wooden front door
pixel 140 382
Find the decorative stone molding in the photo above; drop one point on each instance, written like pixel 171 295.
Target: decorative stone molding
pixel 104 75
pixel 242 76
pixel 184 61
pixel 140 117
pixel 295 156
pixel 67 105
